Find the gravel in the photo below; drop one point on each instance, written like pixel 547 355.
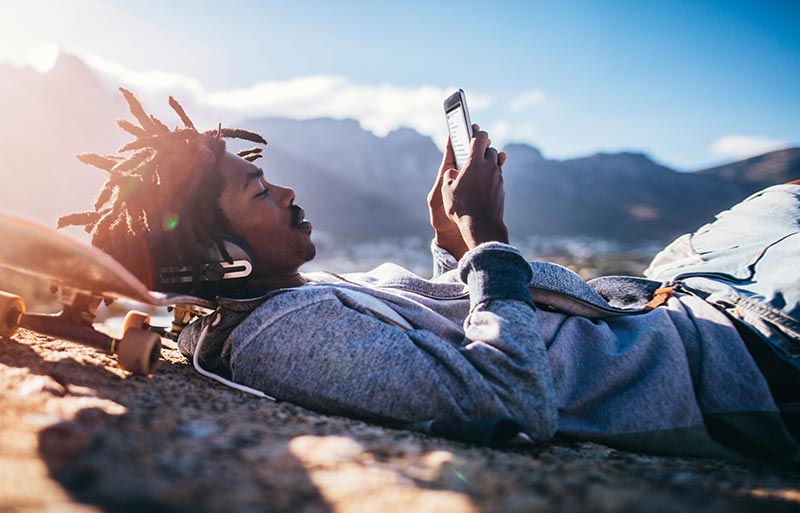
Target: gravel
pixel 79 434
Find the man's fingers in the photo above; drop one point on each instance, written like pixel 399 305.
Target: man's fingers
pixel 479 144
pixel 435 194
pixel 475 129
pixel 449 157
pixel 450 176
pixel 501 158
pixel 437 186
pixel 491 155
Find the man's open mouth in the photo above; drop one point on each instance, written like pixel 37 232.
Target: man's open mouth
pixel 299 218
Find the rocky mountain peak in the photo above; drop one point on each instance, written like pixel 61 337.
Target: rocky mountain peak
pixel 778 166
pixel 524 152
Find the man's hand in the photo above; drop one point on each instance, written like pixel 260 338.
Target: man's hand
pixel 474 199
pixel 446 232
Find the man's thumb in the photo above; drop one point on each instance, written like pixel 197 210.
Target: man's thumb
pixel 450 176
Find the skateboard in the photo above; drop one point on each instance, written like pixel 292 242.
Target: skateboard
pixel 80 278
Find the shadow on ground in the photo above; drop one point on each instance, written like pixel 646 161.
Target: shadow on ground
pixel 176 442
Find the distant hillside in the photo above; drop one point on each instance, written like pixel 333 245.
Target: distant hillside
pixel 48 119
pixel 776 167
pixel 354 184
pixel 624 196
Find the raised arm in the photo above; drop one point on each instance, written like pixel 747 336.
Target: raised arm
pixel 457 201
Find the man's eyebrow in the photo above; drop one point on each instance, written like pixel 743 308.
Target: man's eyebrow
pixel 252 175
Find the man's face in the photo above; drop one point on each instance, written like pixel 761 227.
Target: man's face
pixel 264 215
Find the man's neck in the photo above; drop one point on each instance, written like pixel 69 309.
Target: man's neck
pixel 276 281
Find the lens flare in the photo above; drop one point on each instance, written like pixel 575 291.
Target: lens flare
pixel 461 476
pixel 170 221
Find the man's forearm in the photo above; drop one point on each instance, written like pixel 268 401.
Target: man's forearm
pixel 505 339
pixel 476 231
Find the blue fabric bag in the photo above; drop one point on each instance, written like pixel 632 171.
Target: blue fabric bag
pixel 747 263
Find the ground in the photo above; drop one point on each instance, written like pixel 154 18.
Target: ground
pixel 77 434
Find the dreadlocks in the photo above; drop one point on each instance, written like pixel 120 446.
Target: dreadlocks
pixel 159 203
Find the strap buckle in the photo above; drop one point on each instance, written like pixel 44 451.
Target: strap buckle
pixel 660 297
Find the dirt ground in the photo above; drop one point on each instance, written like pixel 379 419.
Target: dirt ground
pixel 79 435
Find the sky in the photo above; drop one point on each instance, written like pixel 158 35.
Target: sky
pixel 692 84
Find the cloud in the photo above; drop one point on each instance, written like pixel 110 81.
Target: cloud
pixel 742 146
pixel 526 100
pixel 379 108
pixel 149 81
pixel 499 131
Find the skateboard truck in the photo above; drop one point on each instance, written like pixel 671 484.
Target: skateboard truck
pixel 81 277
pixel 138 351
pixel 181 316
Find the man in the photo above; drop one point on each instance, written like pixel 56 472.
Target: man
pixel 489 347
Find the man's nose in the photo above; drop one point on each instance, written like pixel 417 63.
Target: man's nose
pixel 287 195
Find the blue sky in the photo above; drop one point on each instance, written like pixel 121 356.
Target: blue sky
pixel 690 83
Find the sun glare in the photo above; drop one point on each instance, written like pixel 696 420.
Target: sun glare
pixel 30 29
pixel 43 58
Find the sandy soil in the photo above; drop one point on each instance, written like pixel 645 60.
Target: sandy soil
pixel 78 434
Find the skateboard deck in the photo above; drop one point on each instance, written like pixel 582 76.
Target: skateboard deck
pixel 81 277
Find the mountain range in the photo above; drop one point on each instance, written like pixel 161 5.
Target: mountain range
pixel 356 185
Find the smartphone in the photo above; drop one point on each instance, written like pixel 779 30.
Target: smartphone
pixel 459 125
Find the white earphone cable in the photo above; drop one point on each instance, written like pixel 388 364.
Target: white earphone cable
pixel 215 377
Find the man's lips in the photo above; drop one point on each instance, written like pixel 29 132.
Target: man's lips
pixel 299 218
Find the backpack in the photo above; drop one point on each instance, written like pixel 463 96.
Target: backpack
pixel 747 263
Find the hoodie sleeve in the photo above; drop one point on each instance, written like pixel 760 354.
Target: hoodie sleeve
pixel 312 348
pixel 443 261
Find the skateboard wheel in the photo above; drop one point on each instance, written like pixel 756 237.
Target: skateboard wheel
pixel 12 308
pixel 134 319
pixel 139 351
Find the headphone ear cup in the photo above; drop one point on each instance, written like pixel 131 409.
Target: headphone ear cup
pixel 221 276
pixel 216 275
pixel 237 249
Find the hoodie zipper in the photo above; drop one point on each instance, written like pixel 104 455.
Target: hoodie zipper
pixel 463 295
pixel 384 318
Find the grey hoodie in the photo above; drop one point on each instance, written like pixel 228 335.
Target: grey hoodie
pixel 502 342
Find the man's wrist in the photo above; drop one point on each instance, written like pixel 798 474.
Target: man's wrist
pixel 457 248
pixel 476 233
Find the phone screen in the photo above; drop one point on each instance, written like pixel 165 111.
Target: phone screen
pixel 459 133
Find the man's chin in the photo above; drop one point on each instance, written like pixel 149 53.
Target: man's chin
pixel 311 251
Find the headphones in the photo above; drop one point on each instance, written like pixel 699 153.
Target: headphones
pixel 215 276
